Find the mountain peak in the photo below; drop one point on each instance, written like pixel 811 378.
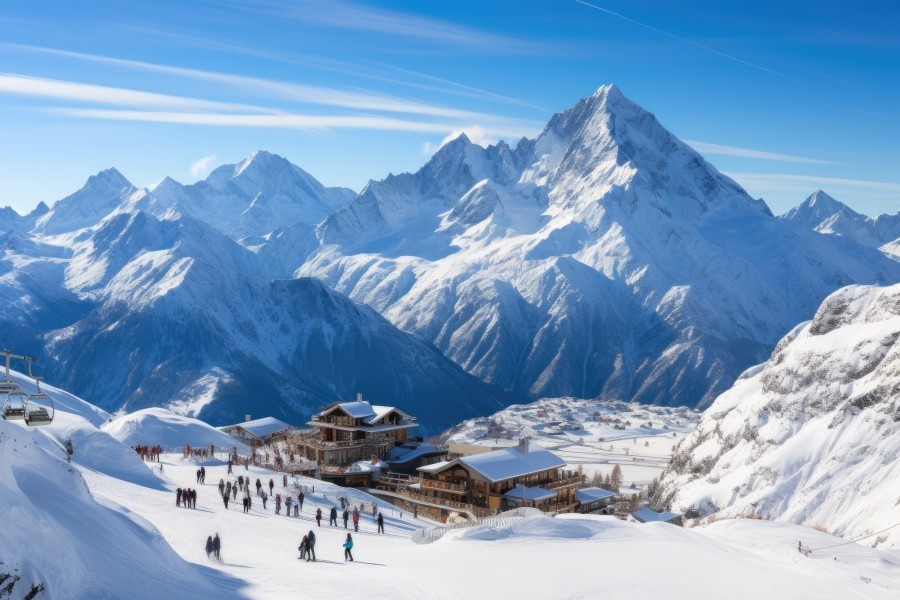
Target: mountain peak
pixel 818 207
pixel 260 160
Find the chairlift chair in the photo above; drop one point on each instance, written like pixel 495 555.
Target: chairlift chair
pixel 39 409
pixel 14 405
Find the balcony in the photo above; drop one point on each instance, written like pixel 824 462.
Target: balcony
pixel 443 486
pixel 569 480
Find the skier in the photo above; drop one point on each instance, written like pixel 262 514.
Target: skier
pixel 203 475
pixel 246 504
pixel 225 498
pixel 198 475
pixel 346 517
pixel 277 504
pixel 193 498
pixel 333 520
pixel 300 497
pixel 319 517
pixel 228 489
pixel 209 546
pixel 348 545
pixel 234 491
pixel 296 508
pixel 355 520
pixel 287 506
pixel 217 546
pixel 271 485
pixel 241 482
pixel 303 547
pixel 380 523
pixel 229 466
pixel 221 487
pixel 311 546
pixel 265 497
pixel 178 497
pixel 258 486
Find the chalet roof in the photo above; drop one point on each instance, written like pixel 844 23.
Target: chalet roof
pixel 647 515
pixel 592 494
pixel 411 451
pixel 530 493
pixel 260 427
pixel 518 461
pixel 363 410
pixel 438 466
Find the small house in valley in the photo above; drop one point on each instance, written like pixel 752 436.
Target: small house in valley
pixel 594 500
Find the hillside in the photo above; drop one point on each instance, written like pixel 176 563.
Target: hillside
pixel 812 436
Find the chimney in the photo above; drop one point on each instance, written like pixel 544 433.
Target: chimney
pixel 359 396
pixel 523 446
pixel 246 417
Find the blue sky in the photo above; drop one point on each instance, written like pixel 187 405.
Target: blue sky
pixel 786 97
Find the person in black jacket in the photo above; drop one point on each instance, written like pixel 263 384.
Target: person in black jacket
pixel 217 546
pixel 346 517
pixel 380 523
pixel 310 545
pixel 209 546
pixel 333 520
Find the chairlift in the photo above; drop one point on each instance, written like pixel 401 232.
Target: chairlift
pixel 14 405
pixel 39 409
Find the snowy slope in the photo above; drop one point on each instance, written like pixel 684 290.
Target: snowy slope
pixel 57 534
pixel 158 426
pixel 822 213
pixel 110 529
pixel 812 436
pixel 603 259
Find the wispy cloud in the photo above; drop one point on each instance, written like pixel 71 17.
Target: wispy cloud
pixel 23 85
pixel 203 166
pixel 343 14
pixel 691 42
pixel 286 121
pixel 718 149
pixel 309 94
pixel 784 190
pixel 780 179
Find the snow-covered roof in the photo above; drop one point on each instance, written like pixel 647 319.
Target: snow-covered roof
pixel 357 410
pixel 408 452
pixel 260 427
pixel 530 493
pixel 592 494
pixel 383 411
pixel 518 461
pixel 647 515
pixel 438 466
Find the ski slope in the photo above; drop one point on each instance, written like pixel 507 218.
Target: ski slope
pixel 106 526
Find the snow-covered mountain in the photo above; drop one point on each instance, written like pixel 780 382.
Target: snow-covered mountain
pixel 262 193
pixel 603 259
pixel 102 194
pixel 822 213
pixel 812 436
pixel 171 312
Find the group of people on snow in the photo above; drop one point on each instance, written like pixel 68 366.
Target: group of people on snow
pixel 201 475
pixel 213 547
pixel 186 497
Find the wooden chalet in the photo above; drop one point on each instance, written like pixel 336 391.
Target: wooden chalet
pixel 506 478
pixel 348 432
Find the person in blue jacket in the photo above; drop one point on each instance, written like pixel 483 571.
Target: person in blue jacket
pixel 348 545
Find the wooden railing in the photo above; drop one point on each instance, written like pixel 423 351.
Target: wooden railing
pixel 567 481
pixel 443 486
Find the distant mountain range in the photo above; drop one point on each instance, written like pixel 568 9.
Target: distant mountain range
pixel 605 258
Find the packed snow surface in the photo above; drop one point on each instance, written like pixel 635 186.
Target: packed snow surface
pixel 812 436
